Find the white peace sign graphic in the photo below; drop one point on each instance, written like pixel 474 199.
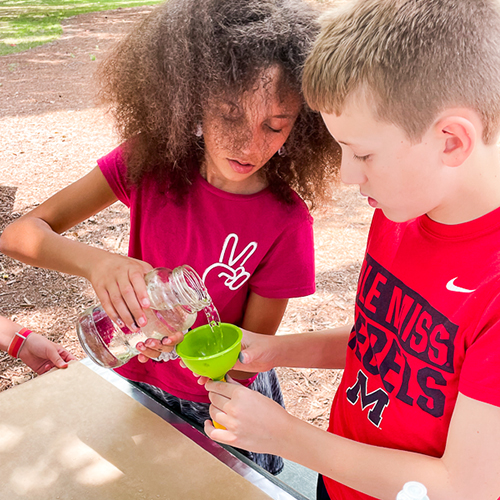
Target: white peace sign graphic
pixel 235 276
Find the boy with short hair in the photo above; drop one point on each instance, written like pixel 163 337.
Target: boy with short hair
pixel 411 91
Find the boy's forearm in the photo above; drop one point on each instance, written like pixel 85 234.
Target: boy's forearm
pixel 321 349
pixel 375 471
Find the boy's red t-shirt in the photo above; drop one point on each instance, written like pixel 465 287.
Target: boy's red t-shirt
pixel 236 243
pixel 427 326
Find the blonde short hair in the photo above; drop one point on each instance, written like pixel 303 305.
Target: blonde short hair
pixel 416 58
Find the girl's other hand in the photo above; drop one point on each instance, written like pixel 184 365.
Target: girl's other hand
pixel 152 348
pixel 119 284
pixel 41 355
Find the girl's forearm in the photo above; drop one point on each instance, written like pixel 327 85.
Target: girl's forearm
pixel 43 247
pixel 36 237
pixel 321 349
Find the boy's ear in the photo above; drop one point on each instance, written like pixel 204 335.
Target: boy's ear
pixel 457 135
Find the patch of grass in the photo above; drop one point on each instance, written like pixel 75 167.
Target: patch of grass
pixel 27 23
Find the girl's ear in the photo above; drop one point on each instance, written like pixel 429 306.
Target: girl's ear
pixel 457 136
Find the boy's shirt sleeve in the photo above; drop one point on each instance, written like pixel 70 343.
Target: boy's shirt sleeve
pixel 115 171
pixel 480 376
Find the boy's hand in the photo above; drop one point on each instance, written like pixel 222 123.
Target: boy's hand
pixel 257 354
pixel 41 355
pixel 252 421
pixel 119 284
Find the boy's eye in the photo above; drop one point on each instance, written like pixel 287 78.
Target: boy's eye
pixel 361 158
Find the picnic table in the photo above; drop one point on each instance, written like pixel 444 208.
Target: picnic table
pixel 87 433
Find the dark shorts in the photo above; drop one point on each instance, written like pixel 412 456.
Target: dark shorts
pixel 266 383
pixel 321 493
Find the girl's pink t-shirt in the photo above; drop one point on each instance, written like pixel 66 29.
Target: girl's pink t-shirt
pixel 236 243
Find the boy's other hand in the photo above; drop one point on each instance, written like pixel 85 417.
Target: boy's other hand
pixel 252 421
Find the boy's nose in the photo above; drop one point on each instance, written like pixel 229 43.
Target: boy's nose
pixel 351 171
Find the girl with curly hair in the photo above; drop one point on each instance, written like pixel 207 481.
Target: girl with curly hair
pixel 219 154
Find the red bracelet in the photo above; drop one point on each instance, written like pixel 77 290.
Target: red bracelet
pixel 18 341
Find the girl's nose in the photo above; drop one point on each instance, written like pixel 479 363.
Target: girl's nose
pixel 253 143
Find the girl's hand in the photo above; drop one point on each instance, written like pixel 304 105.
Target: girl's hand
pixel 119 284
pixel 41 355
pixel 152 348
pixel 252 421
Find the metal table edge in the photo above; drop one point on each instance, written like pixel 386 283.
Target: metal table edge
pixel 269 484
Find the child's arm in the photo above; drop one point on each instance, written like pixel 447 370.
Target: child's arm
pixel 36 239
pixel 321 349
pixel 469 468
pixel 38 352
pixel 261 315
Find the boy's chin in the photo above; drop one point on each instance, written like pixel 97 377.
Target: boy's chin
pixel 398 217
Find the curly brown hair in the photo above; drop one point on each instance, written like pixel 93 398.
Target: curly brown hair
pixel 159 79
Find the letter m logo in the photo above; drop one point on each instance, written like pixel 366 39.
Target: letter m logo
pixel 378 399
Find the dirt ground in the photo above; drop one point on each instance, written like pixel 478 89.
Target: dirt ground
pixel 52 133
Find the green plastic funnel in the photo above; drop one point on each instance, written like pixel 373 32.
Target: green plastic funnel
pixel 199 353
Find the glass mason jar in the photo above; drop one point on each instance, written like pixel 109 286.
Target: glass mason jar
pixel 175 295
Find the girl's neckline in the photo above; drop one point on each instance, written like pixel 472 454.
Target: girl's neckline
pixel 226 194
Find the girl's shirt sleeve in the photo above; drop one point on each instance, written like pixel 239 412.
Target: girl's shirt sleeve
pixel 115 172
pixel 287 271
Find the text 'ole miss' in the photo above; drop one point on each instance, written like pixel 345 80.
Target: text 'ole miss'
pixel 404 339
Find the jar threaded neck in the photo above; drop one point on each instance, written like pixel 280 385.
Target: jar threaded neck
pixel 190 288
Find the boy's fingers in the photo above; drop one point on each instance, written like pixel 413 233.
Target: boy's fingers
pixel 217 415
pixel 209 428
pixel 221 435
pixel 218 402
pixel 216 387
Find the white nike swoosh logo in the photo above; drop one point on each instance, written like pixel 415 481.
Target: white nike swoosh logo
pixel 454 288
